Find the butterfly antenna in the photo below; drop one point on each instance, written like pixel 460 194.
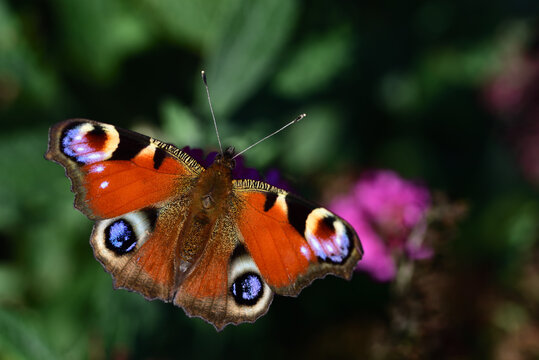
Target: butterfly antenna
pixel 211 109
pixel 270 135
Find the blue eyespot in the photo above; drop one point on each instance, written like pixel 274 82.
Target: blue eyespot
pixel 81 145
pixel 120 237
pixel 247 289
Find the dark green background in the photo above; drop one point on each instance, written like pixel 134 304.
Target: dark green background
pixel 385 84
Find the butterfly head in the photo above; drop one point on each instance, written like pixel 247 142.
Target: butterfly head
pixel 226 158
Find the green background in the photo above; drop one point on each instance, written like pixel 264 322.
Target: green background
pixel 388 84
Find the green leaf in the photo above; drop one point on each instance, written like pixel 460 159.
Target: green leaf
pixel 315 64
pixel 196 23
pixel 314 140
pixel 40 221
pixel 19 339
pixel 506 230
pixel 11 284
pixel 22 74
pixel 99 34
pixel 180 125
pixel 242 57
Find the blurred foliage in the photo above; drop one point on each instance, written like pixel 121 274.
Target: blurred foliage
pixel 385 85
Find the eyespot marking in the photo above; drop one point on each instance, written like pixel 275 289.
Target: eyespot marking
pixel 248 292
pixel 75 143
pixel 325 228
pixel 247 289
pixel 87 143
pixel 329 238
pixel 97 137
pixel 120 237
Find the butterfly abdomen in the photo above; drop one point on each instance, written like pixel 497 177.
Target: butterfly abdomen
pixel 213 189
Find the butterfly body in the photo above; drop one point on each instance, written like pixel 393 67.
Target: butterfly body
pixel 170 229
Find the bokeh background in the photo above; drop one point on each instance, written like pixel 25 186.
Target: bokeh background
pixel 445 94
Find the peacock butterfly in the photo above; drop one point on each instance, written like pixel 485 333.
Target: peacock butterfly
pixel 170 229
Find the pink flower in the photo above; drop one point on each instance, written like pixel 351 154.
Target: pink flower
pixel 513 94
pixel 388 213
pixel 509 91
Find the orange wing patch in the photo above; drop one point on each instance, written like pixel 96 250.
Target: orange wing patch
pixel 117 187
pixel 280 252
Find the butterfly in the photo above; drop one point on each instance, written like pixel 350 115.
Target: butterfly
pixel 170 229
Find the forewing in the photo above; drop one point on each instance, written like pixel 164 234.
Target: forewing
pixel 291 240
pixel 116 171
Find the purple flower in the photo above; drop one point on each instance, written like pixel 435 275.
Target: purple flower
pixel 388 213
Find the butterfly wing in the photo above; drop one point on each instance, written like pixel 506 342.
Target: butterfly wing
pixel 137 249
pixel 116 171
pixel 292 241
pixel 136 188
